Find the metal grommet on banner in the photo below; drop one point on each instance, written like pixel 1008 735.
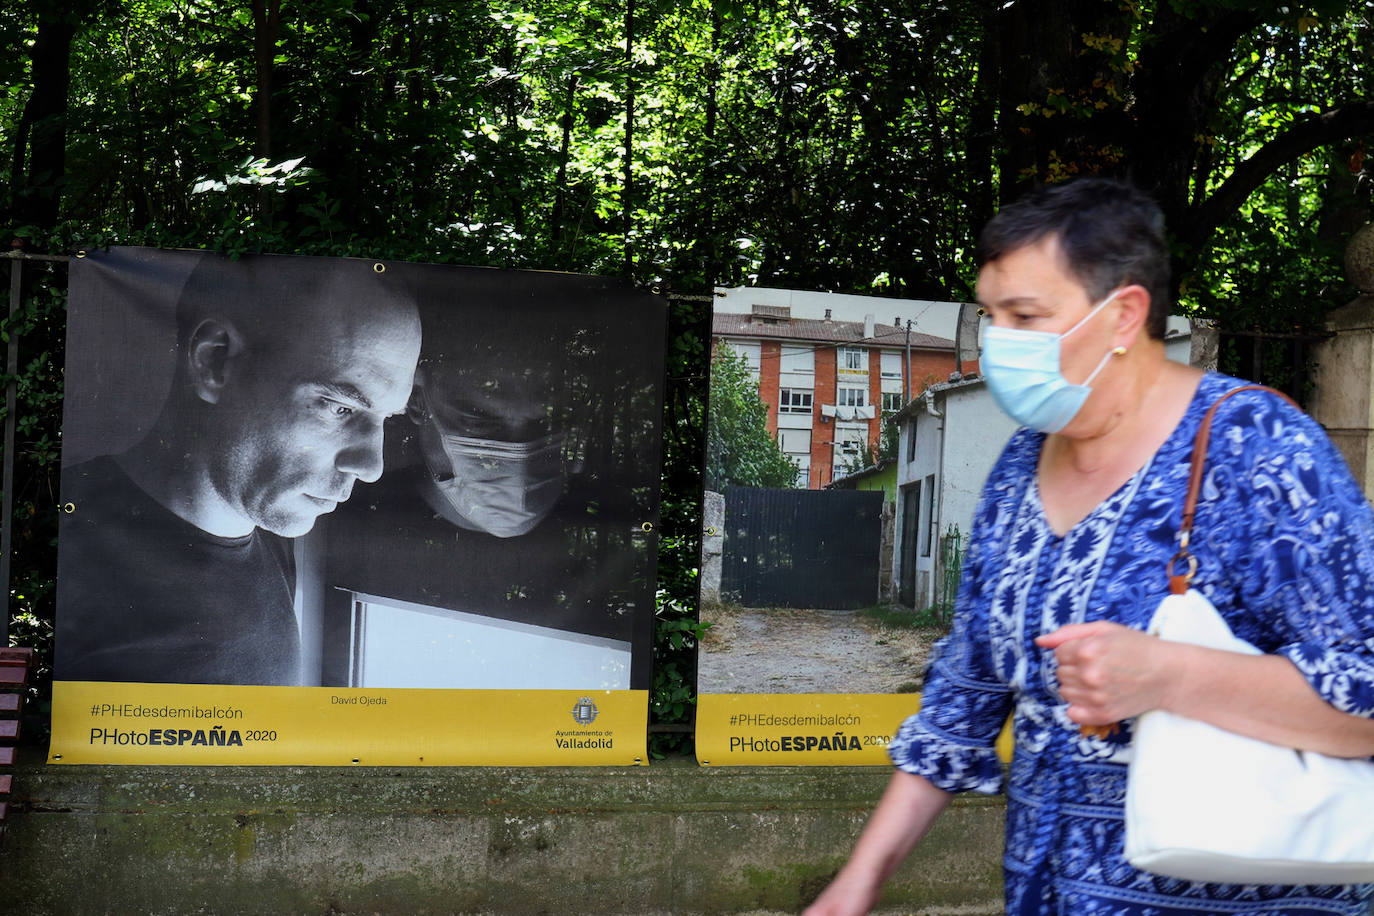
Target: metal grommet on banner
pixel 711 531
pixel 982 312
pixel 380 268
pixel 656 290
pixel 69 508
pixel 355 759
pixel 647 527
pixel 81 253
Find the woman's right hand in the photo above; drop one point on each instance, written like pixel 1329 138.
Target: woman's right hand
pixel 847 895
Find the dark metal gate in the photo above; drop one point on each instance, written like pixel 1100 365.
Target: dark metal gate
pixel 1279 359
pixel 801 548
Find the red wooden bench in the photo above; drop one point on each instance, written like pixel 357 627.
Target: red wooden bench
pixel 16 665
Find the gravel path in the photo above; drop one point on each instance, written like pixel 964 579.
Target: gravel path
pixel 787 650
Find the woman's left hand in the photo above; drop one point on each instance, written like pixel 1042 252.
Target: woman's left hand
pixel 1108 672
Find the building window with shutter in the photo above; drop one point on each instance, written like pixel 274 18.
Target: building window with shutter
pixel 852 397
pixel 794 400
pixel 852 358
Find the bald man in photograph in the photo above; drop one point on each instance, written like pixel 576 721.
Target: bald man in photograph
pixel 176 561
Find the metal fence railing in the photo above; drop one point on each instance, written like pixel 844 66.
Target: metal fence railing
pixel 17 260
pixel 951 564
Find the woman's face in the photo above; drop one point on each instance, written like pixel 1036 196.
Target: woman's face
pixel 1031 288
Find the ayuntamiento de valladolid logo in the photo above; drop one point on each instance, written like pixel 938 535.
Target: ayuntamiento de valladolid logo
pixel 584 714
pixel 584 711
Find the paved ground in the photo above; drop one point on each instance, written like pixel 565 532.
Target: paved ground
pixel 787 650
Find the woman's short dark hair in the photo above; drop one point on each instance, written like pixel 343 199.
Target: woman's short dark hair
pixel 1110 232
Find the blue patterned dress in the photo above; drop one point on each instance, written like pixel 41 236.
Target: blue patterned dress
pixel 1285 544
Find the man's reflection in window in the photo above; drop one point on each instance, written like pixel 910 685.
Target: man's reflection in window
pixel 492 441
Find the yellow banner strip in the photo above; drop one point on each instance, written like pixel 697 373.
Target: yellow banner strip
pixel 187 724
pixel 804 729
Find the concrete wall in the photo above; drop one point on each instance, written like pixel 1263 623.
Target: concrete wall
pixel 669 838
pixel 1343 387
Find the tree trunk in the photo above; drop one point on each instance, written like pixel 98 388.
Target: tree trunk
pixel 1052 80
pixel 1179 72
pixel 342 153
pixel 38 178
pixel 266 22
pixel 983 119
pixel 560 183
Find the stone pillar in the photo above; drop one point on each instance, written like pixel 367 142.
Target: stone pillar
pixel 712 543
pixel 1343 374
pixel 1203 344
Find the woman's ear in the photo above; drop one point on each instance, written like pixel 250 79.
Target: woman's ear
pixel 1133 313
pixel 212 355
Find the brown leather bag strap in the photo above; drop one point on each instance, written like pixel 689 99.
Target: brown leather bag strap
pixel 1178 584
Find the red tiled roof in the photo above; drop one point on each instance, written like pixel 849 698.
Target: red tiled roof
pixel 727 324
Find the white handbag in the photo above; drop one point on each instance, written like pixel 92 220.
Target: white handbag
pixel 1210 805
pixel 1205 804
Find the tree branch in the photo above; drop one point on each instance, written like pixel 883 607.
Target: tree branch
pixel 1303 137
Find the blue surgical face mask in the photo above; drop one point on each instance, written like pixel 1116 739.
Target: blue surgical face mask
pixel 1022 371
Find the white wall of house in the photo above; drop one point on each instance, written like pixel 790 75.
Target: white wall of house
pixel 919 452
pixel 974 434
pixel 1178 339
pixel 952 455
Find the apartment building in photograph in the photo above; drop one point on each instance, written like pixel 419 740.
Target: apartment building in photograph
pixel 830 382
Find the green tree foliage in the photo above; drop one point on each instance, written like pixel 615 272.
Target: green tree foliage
pixel 1274 263
pixel 1240 118
pixel 739 449
pixel 676 627
pixel 830 144
pixel 891 439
